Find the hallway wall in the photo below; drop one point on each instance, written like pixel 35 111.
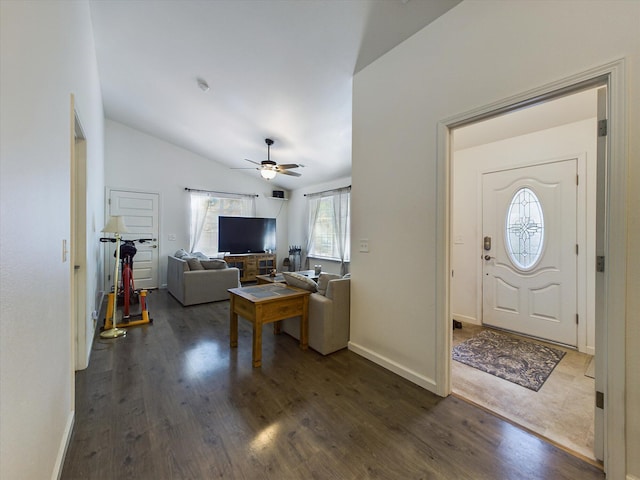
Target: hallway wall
pixel 47 53
pixel 476 54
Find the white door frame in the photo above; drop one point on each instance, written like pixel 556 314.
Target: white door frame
pixel 613 323
pixel 82 334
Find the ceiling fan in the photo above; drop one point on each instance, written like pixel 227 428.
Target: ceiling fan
pixel 268 168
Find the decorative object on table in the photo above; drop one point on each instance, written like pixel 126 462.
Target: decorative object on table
pixel 522 362
pixel 117 226
pixel 273 273
pixel 317 269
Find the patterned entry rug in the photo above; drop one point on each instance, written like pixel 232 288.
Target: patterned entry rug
pixel 525 363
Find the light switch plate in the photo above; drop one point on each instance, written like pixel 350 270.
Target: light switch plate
pixel 172 237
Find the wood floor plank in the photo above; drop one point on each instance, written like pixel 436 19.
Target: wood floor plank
pixel 171 400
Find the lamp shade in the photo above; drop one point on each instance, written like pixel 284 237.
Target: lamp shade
pixel 115 225
pixel 268 173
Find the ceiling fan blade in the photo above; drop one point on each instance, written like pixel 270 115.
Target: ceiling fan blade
pixel 244 168
pixel 287 172
pixel 287 166
pixel 252 161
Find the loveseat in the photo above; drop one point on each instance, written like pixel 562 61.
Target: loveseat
pixel 329 317
pixel 190 286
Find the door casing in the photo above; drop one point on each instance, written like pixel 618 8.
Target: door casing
pixel 614 295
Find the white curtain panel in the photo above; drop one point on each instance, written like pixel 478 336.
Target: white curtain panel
pixel 205 210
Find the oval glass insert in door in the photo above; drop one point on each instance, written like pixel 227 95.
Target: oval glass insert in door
pixel 524 229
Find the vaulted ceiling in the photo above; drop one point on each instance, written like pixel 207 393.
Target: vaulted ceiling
pixel 279 69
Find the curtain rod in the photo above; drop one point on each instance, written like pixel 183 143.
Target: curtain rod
pixel 348 187
pixel 187 189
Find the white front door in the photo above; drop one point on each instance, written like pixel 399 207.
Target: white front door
pixel 140 212
pixel 529 250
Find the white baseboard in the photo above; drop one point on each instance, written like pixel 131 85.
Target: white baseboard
pixel 465 318
pixel 632 477
pixel 64 445
pixel 412 376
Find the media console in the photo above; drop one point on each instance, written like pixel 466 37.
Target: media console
pixel 251 264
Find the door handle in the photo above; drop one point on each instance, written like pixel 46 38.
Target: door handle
pixel 488 257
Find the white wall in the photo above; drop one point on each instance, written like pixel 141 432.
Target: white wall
pixel 476 54
pixel 47 54
pixel 299 215
pixel 141 162
pixel 469 164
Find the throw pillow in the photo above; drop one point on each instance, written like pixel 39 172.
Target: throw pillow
pixel 194 263
pixel 181 253
pixel 323 281
pixel 347 275
pixel 214 264
pixel 200 255
pixel 296 280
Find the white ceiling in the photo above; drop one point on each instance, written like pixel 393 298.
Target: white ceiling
pixel 280 69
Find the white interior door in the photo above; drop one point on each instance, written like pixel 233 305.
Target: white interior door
pixel 530 250
pixel 140 212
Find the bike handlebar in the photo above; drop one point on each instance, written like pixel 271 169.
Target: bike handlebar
pixel 139 240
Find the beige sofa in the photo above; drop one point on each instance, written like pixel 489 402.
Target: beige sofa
pixel 328 318
pixel 191 287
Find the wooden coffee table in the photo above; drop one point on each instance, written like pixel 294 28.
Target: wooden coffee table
pixel 269 303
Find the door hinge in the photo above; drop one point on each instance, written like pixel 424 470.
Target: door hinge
pixel 600 263
pixel 602 128
pixel 577 319
pixel 577 179
pixel 599 400
pixel 577 249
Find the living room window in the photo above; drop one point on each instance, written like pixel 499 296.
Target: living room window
pixel 329 225
pixel 206 207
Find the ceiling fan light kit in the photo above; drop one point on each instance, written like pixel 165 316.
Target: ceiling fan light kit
pixel 268 173
pixel 269 169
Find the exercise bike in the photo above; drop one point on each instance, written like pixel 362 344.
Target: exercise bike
pixel 125 290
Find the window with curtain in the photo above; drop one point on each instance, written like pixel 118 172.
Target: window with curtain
pixel 329 225
pixel 205 210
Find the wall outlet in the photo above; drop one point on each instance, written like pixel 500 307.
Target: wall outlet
pixel 364 245
pixel 172 237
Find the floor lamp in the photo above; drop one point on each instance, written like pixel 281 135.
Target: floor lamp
pixel 116 226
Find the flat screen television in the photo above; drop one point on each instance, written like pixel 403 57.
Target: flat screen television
pixel 246 234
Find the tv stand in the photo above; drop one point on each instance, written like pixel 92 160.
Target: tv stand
pixel 251 264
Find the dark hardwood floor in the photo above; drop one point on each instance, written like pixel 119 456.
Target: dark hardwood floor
pixel 172 401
